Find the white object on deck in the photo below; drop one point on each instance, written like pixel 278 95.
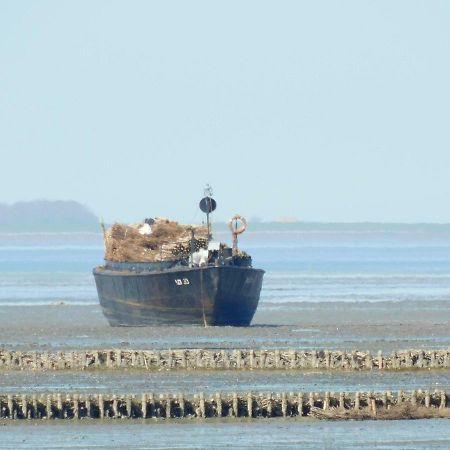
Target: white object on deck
pixel 200 258
pixel 145 229
pixel 214 245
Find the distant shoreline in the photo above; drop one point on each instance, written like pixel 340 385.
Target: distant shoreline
pixel 68 216
pixel 307 227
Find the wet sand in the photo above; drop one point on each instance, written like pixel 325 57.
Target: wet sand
pixel 137 381
pixel 342 326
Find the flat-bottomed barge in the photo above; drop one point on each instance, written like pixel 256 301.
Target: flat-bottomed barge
pixel 201 282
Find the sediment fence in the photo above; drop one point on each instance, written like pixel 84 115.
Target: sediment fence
pixel 223 359
pixel 251 405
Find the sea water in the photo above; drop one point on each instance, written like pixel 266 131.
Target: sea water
pixel 361 265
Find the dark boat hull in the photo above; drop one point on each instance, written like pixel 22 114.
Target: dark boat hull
pixel 224 295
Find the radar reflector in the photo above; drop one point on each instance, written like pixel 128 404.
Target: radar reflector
pixel 207 205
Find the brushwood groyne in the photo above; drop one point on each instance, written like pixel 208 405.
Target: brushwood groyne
pixel 223 359
pixel 250 405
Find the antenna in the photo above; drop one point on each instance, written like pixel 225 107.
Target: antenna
pixel 208 205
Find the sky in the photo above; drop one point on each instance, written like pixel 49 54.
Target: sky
pixel 320 110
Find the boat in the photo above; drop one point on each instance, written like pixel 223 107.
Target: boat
pixel 212 286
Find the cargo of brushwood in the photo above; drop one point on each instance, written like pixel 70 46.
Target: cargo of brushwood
pixel 164 240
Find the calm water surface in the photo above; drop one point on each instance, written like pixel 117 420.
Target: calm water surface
pixel 301 266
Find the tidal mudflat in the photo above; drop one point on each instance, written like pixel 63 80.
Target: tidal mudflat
pixel 335 325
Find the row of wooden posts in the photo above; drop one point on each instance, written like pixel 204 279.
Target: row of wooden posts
pixel 99 406
pixel 223 359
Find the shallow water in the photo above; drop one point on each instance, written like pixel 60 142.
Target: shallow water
pixel 359 265
pixel 211 433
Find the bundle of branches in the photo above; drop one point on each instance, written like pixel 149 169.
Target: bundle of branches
pixel 168 240
pixel 395 412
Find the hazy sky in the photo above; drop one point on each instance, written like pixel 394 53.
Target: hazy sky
pixel 323 110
